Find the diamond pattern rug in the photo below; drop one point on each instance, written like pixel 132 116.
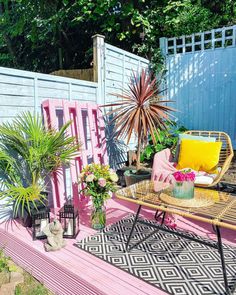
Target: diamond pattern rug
pixel 175 265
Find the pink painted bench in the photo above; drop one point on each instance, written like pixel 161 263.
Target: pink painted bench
pixel 89 129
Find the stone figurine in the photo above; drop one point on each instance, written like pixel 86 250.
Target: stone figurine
pixel 54 233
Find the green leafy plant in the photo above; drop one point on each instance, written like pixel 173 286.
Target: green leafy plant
pixel 42 35
pixel 167 138
pixel 4 267
pixel 28 154
pixel 141 111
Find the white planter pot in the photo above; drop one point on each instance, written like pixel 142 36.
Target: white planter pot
pixel 6 211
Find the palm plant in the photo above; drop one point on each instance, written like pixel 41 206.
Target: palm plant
pixel 29 153
pixel 141 111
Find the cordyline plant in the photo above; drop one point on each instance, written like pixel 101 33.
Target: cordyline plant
pixel 141 111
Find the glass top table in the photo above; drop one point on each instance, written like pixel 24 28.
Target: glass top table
pixel 209 206
pixel 215 207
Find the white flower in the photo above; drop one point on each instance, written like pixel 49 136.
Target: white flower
pixel 114 177
pixel 81 176
pixel 90 178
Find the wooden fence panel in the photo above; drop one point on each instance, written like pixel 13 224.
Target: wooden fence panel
pixel 201 79
pixel 23 90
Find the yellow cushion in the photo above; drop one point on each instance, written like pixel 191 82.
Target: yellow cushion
pixel 199 155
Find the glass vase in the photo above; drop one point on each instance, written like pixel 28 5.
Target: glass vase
pixel 183 189
pixel 98 217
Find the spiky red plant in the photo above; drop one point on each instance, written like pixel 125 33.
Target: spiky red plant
pixel 140 111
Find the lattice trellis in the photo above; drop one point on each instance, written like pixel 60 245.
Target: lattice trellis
pixel 88 128
pixel 214 39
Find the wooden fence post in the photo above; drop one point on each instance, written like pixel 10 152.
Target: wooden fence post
pixel 35 95
pixel 99 65
pixel 163 45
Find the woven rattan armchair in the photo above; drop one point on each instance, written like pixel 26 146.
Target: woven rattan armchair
pixel 226 153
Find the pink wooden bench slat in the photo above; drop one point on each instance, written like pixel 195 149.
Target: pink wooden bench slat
pixel 102 136
pixel 73 110
pixel 51 122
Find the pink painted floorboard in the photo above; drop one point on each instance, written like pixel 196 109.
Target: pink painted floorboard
pixel 73 271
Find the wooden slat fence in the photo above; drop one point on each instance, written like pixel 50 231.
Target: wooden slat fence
pixel 24 91
pixel 201 79
pixel 119 66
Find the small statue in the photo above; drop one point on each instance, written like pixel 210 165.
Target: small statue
pixel 54 233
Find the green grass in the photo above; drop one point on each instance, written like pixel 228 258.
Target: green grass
pixel 31 287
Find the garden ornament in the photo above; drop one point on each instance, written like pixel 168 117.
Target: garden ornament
pixel 54 233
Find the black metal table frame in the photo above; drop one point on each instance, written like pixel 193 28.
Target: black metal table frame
pixel 216 245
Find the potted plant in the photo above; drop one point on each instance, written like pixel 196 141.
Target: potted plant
pixel 99 182
pixel 141 112
pixel 28 154
pixel 167 138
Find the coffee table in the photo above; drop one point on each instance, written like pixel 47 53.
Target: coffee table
pixel 219 210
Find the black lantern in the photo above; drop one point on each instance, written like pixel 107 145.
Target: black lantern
pixel 40 219
pixel 69 219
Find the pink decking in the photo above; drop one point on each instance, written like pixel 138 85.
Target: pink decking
pixel 73 271
pixel 88 128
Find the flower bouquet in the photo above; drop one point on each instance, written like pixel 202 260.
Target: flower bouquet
pixel 98 182
pixel 184 184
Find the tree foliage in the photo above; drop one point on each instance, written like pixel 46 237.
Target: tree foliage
pixel 43 36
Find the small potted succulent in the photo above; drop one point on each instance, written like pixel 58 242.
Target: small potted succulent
pixel 140 112
pixel 98 182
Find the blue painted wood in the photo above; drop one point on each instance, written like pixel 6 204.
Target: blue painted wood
pixel 19 91
pixel 203 86
pixel 119 66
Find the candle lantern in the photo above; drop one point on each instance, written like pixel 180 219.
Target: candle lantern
pixel 40 218
pixel 69 218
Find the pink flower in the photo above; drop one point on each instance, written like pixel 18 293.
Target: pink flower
pixel 179 176
pixel 190 176
pixel 184 176
pixel 102 182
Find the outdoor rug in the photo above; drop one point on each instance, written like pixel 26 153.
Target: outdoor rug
pixel 170 263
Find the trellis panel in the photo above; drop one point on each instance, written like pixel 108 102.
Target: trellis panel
pixel 87 127
pixel 217 38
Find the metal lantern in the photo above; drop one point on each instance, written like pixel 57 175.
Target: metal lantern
pixel 40 218
pixel 69 218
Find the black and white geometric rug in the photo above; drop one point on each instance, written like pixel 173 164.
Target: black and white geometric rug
pixel 175 265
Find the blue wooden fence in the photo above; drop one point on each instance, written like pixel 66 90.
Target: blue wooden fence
pixel 201 79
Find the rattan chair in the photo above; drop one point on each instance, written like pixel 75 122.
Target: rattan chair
pixel 226 153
